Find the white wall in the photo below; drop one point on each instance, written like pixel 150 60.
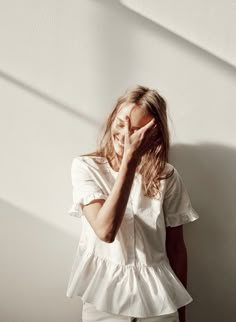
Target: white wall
pixel 210 24
pixel 62 65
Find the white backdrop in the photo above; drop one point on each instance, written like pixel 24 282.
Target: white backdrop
pixel 62 66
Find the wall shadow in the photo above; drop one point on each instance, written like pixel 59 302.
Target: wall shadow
pixel 208 171
pixel 44 96
pixel 179 35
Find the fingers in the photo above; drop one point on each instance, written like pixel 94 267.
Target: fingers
pixel 150 133
pixel 150 124
pixel 127 127
pixel 127 122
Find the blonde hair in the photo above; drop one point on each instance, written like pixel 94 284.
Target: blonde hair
pixel 152 164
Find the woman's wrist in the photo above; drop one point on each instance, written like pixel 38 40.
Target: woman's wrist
pixel 129 161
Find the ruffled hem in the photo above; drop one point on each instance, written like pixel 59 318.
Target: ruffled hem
pixel 174 220
pixel 76 209
pixel 130 290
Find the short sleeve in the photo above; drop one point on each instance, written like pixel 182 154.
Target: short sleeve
pixel 177 206
pixel 84 186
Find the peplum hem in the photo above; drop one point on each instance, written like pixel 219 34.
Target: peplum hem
pixel 140 290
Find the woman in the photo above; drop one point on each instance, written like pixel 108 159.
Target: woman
pixel 131 260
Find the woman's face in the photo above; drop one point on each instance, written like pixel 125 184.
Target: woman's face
pixel 138 118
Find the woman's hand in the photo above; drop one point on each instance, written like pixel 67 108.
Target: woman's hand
pixel 139 142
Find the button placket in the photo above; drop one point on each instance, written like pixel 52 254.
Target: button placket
pixel 132 235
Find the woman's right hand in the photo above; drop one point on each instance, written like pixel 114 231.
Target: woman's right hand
pixel 136 144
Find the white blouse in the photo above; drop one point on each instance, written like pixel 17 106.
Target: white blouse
pixel 132 275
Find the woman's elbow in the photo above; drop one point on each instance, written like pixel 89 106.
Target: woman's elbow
pixel 106 237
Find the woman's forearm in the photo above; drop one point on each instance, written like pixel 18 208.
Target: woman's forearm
pixel 178 262
pixel 110 215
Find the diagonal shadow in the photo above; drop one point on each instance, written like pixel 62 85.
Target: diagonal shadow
pixel 179 35
pixel 36 92
pixel 37 255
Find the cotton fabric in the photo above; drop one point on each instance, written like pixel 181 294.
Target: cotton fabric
pixel 91 314
pixel 131 276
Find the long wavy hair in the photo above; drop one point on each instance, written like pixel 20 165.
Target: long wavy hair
pixel 152 164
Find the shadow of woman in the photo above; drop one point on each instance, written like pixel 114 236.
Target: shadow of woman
pixel 208 171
